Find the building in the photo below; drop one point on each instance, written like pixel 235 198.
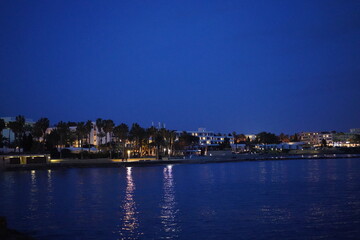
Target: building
pixel 239 148
pixel 251 137
pixel 208 138
pixel 347 139
pixel 95 138
pixel 316 138
pixel 355 131
pixel 327 136
pixel 309 138
pixel 281 146
pixel 7 133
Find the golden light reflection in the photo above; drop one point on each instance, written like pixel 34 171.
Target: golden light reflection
pixel 49 180
pixel 56 160
pixel 33 181
pixel 168 207
pixel 33 201
pixel 130 221
pixel 50 197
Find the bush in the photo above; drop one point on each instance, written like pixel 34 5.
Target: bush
pixel 66 153
pixel 54 153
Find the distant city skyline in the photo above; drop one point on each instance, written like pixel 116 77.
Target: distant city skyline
pixel 227 66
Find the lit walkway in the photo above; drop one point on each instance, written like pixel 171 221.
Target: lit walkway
pixel 100 160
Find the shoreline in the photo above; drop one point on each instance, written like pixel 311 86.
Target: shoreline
pixel 93 163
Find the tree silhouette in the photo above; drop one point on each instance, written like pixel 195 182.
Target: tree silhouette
pixel 81 133
pixel 64 133
pixel 121 132
pixel 18 127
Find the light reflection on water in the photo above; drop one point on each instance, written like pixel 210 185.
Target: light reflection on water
pixel 129 221
pixel 314 198
pixel 50 197
pixel 34 200
pixel 169 209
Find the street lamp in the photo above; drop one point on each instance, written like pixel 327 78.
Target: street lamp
pixel 128 152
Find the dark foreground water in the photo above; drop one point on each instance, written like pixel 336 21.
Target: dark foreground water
pixel 297 199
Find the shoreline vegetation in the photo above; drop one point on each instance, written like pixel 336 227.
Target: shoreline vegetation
pixel 105 162
pixel 102 143
pixel 104 138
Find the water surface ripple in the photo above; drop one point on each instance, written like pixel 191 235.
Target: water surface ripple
pixel 297 199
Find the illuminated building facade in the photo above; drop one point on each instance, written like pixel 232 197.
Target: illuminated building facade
pixel 94 136
pixel 316 138
pixel 209 138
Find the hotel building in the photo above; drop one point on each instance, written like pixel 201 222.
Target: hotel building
pixel 208 138
pixel 316 138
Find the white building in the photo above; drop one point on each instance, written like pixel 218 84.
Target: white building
pixel 346 139
pixel 316 138
pixel 7 133
pixel 281 146
pixel 208 138
pixel 95 138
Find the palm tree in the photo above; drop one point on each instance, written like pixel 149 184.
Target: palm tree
pixel 108 128
pixel 167 142
pixel 100 132
pixel 150 134
pixel 137 133
pixel 64 132
pixel 81 133
pixel 187 140
pixel 44 124
pixel 52 139
pixel 18 127
pixel 121 132
pixel 88 128
pixel 36 132
pixel 158 142
pixel 171 137
pixel 39 129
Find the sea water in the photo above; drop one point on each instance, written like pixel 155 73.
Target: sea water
pixel 289 199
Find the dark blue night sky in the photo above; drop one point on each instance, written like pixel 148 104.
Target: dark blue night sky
pixel 244 66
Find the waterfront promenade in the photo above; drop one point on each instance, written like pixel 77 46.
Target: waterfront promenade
pixel 106 162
